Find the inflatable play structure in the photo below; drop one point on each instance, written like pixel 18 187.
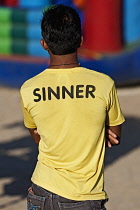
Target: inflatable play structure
pixel 111 32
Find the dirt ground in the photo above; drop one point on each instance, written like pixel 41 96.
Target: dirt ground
pixel 18 154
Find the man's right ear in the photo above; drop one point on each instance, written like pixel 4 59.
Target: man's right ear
pixel 44 44
pixel 81 41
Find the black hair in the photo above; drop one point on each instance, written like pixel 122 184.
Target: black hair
pixel 61 29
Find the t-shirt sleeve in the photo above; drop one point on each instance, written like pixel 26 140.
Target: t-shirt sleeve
pixel 28 120
pixel 114 114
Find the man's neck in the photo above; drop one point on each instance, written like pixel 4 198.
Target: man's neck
pixel 64 61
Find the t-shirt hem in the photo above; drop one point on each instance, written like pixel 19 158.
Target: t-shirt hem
pixel 68 196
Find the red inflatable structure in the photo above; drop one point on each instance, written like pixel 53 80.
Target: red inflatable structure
pixel 102 26
pixel 9 3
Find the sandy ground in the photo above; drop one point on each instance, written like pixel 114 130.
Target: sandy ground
pixel 18 155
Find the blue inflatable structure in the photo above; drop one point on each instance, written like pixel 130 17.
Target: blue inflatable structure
pixel 124 68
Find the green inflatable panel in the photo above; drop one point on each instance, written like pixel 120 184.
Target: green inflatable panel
pixel 19 46
pixel 5 30
pixel 5 14
pixel 18 16
pixel 15 31
pixel 18 31
pixel 5 46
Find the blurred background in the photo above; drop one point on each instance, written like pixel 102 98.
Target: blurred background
pixel 111 31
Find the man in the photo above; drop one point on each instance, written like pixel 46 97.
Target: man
pixel 66 108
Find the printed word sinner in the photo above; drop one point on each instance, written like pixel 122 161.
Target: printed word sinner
pixel 78 91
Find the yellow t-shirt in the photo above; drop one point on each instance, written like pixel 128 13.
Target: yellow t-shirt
pixel 69 108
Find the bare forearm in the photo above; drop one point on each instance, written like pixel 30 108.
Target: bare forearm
pixel 113 134
pixel 116 130
pixel 34 134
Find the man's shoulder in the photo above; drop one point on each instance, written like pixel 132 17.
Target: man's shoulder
pixel 101 76
pixel 32 81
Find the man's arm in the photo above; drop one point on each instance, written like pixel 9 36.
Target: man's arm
pixel 34 134
pixel 113 134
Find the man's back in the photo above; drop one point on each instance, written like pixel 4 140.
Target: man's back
pixel 69 107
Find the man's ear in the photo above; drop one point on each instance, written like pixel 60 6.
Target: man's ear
pixel 44 44
pixel 81 41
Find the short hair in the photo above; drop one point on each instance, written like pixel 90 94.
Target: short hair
pixel 61 29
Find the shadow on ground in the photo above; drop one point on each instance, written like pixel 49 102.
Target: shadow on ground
pixel 20 167
pixel 130 140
